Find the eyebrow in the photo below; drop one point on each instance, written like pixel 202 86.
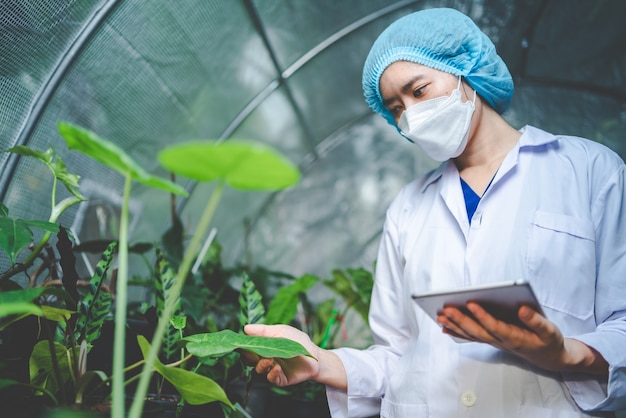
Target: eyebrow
pixel 405 88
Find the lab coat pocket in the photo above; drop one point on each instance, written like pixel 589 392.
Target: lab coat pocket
pixel 389 409
pixel 562 263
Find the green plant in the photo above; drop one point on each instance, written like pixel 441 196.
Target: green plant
pixel 57 361
pixel 240 164
pixel 15 234
pixel 323 320
pixel 115 158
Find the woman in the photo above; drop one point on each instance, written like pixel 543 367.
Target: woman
pixel 504 205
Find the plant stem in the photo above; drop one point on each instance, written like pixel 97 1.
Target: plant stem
pixel 179 362
pixel 54 360
pixel 54 216
pixel 170 304
pixel 40 389
pixel 119 345
pixel 339 324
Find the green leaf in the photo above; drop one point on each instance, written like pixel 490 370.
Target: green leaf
pixel 251 309
pixel 43 225
pixel 99 311
pixel 70 181
pixel 86 381
pixel 226 341
pixel 56 314
pixel 283 307
pixel 21 295
pixel 41 369
pixel 241 164
pixel 179 322
pixel 112 156
pixel 14 236
pixel 19 302
pixel 164 283
pixel 194 388
pixel 96 304
pixel 19 308
pixel 5 383
pixel 344 284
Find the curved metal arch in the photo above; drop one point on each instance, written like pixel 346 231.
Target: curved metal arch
pixel 285 74
pixel 45 94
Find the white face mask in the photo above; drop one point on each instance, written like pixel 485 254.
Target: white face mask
pixel 439 126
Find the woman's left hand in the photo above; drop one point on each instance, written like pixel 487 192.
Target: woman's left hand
pixel 541 344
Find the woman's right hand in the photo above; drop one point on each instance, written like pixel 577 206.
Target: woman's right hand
pixel 280 371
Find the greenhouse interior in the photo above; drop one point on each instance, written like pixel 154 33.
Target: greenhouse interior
pixel 96 215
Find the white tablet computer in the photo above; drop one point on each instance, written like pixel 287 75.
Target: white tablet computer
pixel 501 300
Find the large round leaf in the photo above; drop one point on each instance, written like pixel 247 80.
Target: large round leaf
pixel 111 155
pixel 241 164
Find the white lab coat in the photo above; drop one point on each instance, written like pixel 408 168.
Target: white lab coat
pixel 554 215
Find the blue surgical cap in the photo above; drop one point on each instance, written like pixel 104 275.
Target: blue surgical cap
pixel 443 39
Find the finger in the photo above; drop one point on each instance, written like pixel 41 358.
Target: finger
pixel 454 334
pixel 256 330
pixel 537 323
pixel 249 358
pixel 500 330
pixel 451 320
pixel 276 376
pixel 478 326
pixel 272 331
pixel 264 365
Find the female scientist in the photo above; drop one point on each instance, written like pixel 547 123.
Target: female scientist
pixel 505 204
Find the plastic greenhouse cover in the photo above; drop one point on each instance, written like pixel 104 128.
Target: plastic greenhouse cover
pixel 148 74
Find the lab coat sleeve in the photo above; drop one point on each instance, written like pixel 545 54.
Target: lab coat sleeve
pixel 609 338
pixel 368 370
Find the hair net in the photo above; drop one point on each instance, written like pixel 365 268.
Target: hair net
pixel 443 39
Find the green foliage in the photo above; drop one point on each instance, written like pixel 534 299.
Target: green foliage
pixel 51 159
pixel 164 281
pixel 195 389
pixel 19 302
pixel 96 304
pixel 251 310
pixel 283 307
pixel 42 366
pixel 112 156
pixel 15 234
pixel 355 288
pixel 241 164
pixel 226 341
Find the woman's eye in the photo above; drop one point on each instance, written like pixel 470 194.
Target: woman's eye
pixel 396 110
pixel 418 92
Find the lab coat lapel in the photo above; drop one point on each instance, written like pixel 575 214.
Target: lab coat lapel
pixel 452 195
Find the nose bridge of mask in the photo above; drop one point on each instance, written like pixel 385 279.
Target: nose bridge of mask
pixel 415 114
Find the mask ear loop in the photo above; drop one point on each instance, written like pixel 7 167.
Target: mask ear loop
pixel 459 88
